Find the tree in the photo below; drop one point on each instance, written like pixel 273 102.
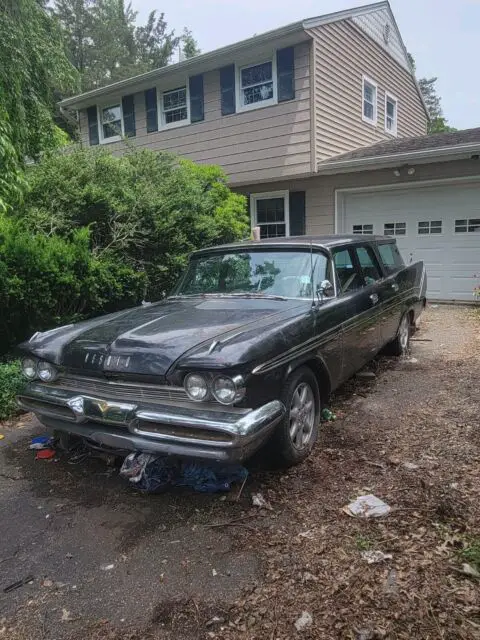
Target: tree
pixel 106 45
pixel 155 45
pixel 189 44
pixel 433 102
pixel 76 20
pixel 33 64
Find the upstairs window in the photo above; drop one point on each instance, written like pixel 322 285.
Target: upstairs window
pixel 111 121
pixel 257 85
pixel 174 107
pixel 391 108
pixel 369 113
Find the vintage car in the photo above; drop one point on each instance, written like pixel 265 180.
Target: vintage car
pixel 244 353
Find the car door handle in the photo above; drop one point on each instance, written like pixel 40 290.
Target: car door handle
pixel 374 298
pixel 395 286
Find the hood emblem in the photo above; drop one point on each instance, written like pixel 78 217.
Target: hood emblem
pixel 77 405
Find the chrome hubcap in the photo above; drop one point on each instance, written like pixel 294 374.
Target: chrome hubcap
pixel 302 415
pixel 403 333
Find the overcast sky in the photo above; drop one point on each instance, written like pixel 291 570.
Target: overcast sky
pixel 442 35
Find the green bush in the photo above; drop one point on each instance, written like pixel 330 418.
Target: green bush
pixel 11 383
pixel 47 281
pixel 145 209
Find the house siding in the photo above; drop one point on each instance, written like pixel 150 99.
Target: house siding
pixel 343 54
pixel 320 190
pixel 253 145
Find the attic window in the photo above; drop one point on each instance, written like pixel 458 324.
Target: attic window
pixel 369 109
pixel 391 107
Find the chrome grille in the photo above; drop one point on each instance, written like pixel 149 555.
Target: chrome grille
pixel 120 390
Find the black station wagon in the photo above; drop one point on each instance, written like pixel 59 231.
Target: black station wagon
pixel 244 353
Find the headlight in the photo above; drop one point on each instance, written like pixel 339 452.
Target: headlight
pixel 228 390
pixel 29 368
pixel 196 387
pixel 46 372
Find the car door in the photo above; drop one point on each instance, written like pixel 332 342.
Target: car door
pixel 390 289
pixel 361 336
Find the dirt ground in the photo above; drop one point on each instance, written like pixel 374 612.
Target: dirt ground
pixel 110 563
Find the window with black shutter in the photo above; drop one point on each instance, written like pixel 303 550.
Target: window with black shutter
pixel 196 98
pixel 227 89
pixel 286 74
pixel 92 126
pixel 128 112
pixel 151 112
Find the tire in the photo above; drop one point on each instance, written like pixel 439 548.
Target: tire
pixel 294 438
pixel 401 343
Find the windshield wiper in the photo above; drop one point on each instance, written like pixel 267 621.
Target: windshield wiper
pixel 249 294
pixel 243 294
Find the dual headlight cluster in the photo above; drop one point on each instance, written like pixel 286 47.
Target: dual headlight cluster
pixel 202 387
pixel 40 369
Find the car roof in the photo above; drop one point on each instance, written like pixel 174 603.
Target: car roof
pixel 323 242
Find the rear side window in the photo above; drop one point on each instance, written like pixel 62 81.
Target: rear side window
pixel 368 263
pixel 390 256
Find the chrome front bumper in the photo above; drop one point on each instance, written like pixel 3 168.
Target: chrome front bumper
pixel 212 432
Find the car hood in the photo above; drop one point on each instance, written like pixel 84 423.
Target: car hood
pixel 150 339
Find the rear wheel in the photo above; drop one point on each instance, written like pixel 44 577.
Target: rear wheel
pixel 400 345
pixel 296 435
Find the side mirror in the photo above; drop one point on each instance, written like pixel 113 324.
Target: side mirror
pixel 325 290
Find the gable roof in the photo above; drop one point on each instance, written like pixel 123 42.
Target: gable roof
pixel 394 152
pixel 286 36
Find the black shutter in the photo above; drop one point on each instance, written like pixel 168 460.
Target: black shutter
pixel 227 89
pixel 151 110
pixel 196 98
pixel 92 125
pixel 286 74
pixel 128 112
pixel 297 213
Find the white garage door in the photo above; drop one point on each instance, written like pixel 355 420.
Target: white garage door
pixel 437 224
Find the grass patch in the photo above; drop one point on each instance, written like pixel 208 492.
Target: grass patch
pixel 11 383
pixel 471 553
pixel 363 543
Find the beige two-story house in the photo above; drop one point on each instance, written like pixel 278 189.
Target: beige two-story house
pixel 279 112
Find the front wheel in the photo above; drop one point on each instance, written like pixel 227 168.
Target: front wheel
pixel 401 343
pixel 296 435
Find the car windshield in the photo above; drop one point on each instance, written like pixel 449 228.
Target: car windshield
pixel 286 274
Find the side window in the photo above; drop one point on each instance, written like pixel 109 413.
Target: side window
pixel 368 263
pixel 348 276
pixel 391 258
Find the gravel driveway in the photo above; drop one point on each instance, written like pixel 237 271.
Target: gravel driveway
pixel 110 563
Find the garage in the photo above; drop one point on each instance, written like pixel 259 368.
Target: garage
pixel 438 223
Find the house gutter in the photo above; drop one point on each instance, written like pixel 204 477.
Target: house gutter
pixel 397 159
pixel 185 65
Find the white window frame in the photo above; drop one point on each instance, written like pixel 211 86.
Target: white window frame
pixel 100 108
pixel 238 85
pixel 469 223
pixel 429 228
pixel 373 84
pixel 395 234
pixel 363 233
pixel 390 98
pixel 160 112
pixel 267 195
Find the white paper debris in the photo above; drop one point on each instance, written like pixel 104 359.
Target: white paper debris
pixel 367 507
pixel 107 567
pixel 373 557
pixel 304 621
pixel 411 466
pixel 259 501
